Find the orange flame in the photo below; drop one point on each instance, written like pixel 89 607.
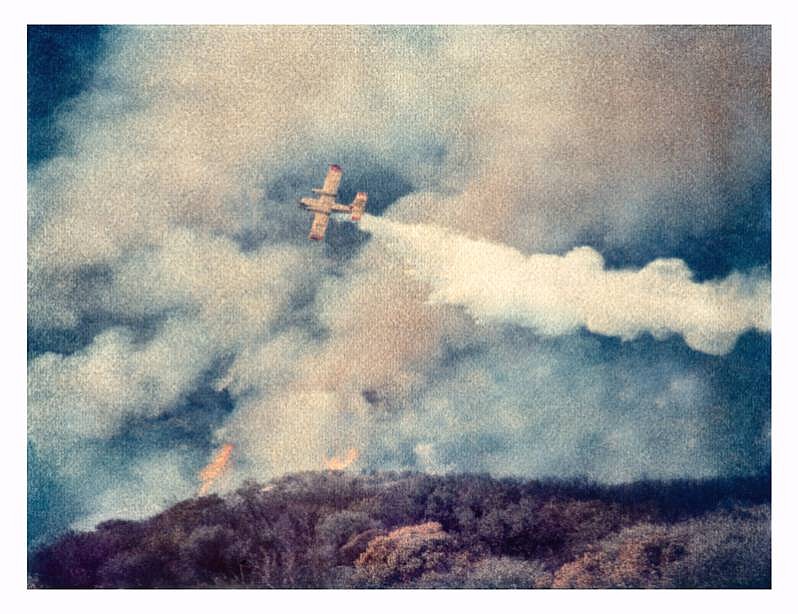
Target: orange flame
pixel 215 468
pixel 337 463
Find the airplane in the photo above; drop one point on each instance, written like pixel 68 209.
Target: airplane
pixel 325 205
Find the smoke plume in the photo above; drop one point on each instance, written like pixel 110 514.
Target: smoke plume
pixel 555 295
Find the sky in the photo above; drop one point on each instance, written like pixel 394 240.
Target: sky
pixel 565 270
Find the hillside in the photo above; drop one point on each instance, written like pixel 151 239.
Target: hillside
pixel 337 529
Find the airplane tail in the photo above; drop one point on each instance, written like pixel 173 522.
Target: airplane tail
pixel 359 206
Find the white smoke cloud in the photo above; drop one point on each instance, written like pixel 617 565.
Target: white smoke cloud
pixel 89 394
pixel 170 155
pixel 217 300
pixel 555 295
pixel 533 406
pixel 143 490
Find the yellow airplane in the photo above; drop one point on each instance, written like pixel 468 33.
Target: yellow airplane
pixel 325 204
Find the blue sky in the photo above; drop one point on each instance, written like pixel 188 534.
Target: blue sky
pixel 163 242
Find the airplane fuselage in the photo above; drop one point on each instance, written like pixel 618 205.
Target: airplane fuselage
pixel 325 204
pixel 316 205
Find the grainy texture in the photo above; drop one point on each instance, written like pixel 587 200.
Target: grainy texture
pixel 562 272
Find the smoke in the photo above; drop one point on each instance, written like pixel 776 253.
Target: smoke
pixel 210 300
pixel 165 236
pixel 555 295
pixel 137 491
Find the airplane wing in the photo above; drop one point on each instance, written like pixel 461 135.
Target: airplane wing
pixel 333 180
pixel 319 226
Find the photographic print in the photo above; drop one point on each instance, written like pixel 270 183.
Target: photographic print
pixel 392 307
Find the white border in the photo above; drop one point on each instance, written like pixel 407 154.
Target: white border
pixel 338 11
pixel 400 12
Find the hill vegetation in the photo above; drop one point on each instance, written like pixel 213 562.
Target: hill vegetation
pixel 341 530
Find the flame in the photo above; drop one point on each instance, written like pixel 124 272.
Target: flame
pixel 337 463
pixel 215 468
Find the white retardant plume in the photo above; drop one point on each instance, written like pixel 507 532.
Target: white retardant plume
pixel 557 294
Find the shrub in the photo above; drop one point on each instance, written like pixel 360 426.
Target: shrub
pixel 404 555
pixel 634 558
pixel 719 550
pixel 339 529
pixel 490 572
pixel 725 549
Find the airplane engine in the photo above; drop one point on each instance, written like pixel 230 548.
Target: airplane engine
pixel 359 206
